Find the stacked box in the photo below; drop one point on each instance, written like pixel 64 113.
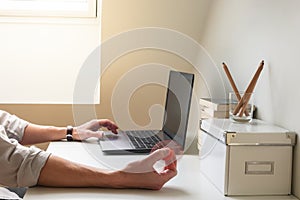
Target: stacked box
pixel 213 108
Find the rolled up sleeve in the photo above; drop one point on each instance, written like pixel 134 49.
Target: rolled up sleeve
pixel 13 125
pixel 20 165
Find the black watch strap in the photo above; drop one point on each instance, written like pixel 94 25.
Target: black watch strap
pixel 69 134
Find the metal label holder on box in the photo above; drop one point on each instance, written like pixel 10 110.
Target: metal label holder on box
pixel 246 158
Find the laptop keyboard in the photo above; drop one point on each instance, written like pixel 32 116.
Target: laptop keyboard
pixel 143 139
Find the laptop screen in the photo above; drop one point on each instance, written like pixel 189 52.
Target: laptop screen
pixel 179 94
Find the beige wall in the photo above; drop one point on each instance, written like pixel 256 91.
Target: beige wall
pixel 119 16
pixel 242 33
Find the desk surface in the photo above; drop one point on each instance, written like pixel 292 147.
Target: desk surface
pixel 188 184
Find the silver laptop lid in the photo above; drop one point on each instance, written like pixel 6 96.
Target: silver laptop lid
pixel 177 107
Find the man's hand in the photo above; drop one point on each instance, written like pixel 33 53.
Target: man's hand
pixel 91 129
pixel 141 174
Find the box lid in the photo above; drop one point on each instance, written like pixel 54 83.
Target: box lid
pixel 257 132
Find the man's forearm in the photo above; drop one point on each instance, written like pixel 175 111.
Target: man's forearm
pixel 37 134
pixel 59 172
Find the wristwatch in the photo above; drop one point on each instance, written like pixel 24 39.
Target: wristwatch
pixel 69 135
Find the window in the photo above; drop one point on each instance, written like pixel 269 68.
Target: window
pixel 44 45
pixel 49 8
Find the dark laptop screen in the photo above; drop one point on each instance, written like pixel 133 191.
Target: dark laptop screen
pixel 179 94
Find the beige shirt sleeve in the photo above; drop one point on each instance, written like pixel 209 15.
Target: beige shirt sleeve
pixel 20 165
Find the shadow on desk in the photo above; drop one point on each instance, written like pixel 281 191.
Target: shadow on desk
pixel 192 149
pixel 102 193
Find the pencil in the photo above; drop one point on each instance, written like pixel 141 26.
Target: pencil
pixel 233 85
pixel 242 105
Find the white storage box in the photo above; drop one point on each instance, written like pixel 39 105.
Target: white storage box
pixel 246 159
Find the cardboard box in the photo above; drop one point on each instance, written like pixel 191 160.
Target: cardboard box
pixel 246 159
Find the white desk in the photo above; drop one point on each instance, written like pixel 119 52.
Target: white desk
pixel 188 184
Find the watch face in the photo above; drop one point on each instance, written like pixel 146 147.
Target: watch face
pixel 69 137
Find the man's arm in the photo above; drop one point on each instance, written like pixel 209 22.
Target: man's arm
pixel 58 172
pixel 23 166
pixel 34 134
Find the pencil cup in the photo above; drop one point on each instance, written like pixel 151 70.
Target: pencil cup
pixel 241 106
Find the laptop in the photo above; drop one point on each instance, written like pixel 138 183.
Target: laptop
pixel 176 115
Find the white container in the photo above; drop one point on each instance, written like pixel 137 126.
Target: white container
pixel 247 159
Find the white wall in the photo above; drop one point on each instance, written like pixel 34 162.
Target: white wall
pixel 242 33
